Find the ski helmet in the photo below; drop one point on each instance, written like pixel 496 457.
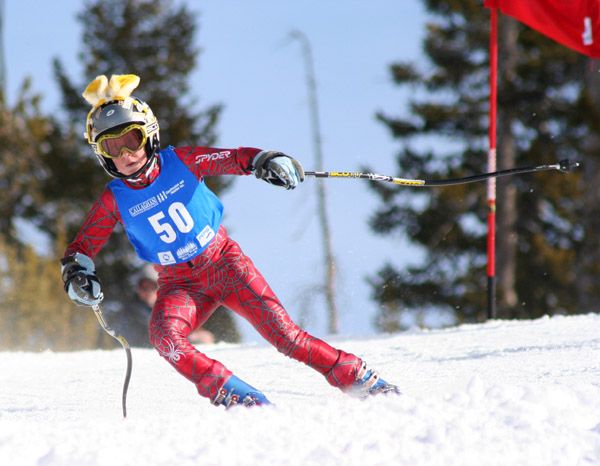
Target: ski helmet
pixel 114 115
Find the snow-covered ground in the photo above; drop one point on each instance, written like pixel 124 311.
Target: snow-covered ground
pixel 501 393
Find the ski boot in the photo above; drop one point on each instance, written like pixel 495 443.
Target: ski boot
pixel 237 392
pixel 368 383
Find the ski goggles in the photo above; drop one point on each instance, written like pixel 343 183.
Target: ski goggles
pixel 131 138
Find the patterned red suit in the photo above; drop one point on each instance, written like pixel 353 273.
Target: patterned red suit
pixel 221 275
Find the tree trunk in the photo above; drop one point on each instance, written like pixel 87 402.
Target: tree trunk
pixel 328 257
pixel 506 203
pixel 588 275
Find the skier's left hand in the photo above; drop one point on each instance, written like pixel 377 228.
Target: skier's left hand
pixel 278 169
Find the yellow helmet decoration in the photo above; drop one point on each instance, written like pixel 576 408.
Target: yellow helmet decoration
pixel 113 108
pixel 102 90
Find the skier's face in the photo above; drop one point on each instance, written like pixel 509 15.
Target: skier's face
pixel 130 162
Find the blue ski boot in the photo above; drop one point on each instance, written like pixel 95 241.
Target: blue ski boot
pixel 368 383
pixel 237 392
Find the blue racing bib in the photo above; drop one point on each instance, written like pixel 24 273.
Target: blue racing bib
pixel 172 220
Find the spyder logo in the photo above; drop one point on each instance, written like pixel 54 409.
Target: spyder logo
pixel 214 156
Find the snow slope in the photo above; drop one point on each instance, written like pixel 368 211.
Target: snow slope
pixel 500 393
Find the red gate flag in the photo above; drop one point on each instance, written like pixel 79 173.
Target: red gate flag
pixel 573 23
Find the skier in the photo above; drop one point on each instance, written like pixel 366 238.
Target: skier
pixel 174 221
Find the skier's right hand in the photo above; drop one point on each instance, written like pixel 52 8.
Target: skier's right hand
pixel 278 169
pixel 81 283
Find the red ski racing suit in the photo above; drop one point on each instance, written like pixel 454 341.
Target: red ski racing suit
pixel 190 291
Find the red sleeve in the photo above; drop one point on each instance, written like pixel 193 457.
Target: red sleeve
pixel 210 161
pixel 97 227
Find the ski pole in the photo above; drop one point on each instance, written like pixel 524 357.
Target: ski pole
pixel 562 166
pixel 121 339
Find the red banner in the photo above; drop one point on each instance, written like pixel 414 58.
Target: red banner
pixel 573 23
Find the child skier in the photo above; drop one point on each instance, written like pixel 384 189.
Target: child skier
pixel 174 221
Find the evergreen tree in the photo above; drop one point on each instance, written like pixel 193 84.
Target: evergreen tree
pixel 35 315
pixel 543 220
pixel 22 131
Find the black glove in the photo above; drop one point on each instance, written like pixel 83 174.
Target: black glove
pixel 278 169
pixel 81 283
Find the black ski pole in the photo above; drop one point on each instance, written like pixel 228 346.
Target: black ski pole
pixel 121 339
pixel 562 166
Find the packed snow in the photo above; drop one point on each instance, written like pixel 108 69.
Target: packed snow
pixel 499 393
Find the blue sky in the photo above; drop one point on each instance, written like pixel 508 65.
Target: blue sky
pixel 249 64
